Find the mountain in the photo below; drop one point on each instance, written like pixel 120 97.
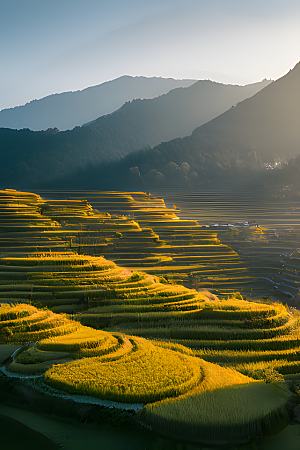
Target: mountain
pixel 29 157
pixel 259 130
pixel 181 110
pixel 70 109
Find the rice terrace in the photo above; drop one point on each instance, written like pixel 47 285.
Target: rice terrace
pixel 105 309
pixel 149 225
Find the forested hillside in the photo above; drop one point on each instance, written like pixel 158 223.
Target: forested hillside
pixel 260 130
pixel 31 158
pixel 70 109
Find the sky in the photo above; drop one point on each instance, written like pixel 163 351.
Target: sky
pixel 50 46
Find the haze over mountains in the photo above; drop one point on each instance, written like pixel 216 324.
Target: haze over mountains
pixel 70 109
pixel 29 157
pixel 258 130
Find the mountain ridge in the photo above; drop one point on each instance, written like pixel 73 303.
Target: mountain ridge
pixel 74 108
pixel 38 156
pixel 257 131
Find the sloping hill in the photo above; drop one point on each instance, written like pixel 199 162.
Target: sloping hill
pixel 70 109
pixel 268 123
pixel 255 131
pixel 29 157
pixel 181 110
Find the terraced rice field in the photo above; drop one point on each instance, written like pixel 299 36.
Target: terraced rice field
pixel 50 338
pixel 287 278
pixel 161 242
pixel 131 369
pixel 194 339
pixel 57 278
pixel 228 331
pixel 144 374
pixel 262 229
pixel 28 224
pixel 231 412
pixel 258 339
pixel 25 323
pixel 138 231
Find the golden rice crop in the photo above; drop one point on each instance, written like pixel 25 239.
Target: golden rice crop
pixel 43 334
pixel 281 366
pixel 13 312
pixel 27 320
pixel 54 331
pixel 240 412
pixel 226 405
pixel 33 369
pixel 32 326
pixel 83 341
pixel 145 374
pixel 214 377
pixel 247 356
